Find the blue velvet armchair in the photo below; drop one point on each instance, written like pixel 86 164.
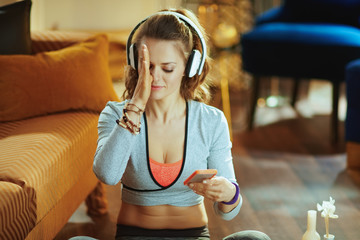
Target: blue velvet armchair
pixel 304 39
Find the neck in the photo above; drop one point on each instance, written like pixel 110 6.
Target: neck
pixel 165 111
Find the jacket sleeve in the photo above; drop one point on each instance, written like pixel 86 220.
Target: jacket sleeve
pixel 114 145
pixel 220 158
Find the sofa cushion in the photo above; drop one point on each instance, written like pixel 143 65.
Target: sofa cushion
pixel 76 77
pixel 15 211
pixel 15 28
pixel 47 155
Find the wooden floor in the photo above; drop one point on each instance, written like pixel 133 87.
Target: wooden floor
pixel 284 168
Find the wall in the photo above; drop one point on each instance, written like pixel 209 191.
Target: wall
pixel 93 14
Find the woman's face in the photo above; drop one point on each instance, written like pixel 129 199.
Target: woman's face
pixel 167 67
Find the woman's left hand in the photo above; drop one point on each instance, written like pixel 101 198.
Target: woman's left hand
pixel 216 189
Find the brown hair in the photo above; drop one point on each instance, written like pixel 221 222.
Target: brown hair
pixel 170 27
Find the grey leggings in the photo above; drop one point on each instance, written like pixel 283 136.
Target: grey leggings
pixel 202 233
pixel 243 235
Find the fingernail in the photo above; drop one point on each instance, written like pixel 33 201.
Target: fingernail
pixel 205 181
pixel 191 185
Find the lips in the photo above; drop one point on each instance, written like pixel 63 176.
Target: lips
pixel 156 87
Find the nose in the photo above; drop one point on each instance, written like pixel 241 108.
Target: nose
pixel 155 73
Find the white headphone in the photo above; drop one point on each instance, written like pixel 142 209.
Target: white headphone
pixel 195 61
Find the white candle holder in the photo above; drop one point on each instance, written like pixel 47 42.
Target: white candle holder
pixel 330 237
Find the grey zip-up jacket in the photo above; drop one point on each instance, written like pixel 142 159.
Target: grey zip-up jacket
pixel 122 156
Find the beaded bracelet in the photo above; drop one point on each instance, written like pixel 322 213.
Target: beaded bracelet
pixel 121 124
pixel 134 128
pixel 139 111
pixel 236 197
pixel 128 123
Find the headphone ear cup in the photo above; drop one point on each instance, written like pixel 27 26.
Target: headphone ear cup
pixel 133 56
pixel 193 63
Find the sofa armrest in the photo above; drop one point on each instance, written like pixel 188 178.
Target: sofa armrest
pixel 43 41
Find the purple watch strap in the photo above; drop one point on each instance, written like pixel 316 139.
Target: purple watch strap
pixel 236 197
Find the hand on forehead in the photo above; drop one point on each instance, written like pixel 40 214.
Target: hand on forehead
pixel 164 51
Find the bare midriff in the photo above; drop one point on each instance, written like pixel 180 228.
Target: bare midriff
pixel 162 216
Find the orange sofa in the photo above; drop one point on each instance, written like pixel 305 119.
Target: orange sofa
pixel 49 110
pixel 53 86
pixel 45 172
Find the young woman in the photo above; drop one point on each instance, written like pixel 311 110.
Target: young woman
pixel 163 132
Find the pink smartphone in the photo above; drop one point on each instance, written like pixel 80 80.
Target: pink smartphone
pixel 200 175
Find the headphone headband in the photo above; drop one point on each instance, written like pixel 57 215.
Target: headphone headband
pixel 184 19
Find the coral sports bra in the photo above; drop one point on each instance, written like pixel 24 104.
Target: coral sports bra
pixel 165 173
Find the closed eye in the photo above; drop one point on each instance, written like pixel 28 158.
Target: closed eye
pixel 164 69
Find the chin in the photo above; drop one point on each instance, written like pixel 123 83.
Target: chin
pixel 161 95
pixel 156 96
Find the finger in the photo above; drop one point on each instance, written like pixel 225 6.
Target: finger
pixel 203 188
pixel 144 60
pixel 144 76
pixel 145 53
pixel 213 189
pixel 205 184
pixel 215 194
pixel 197 188
pixel 222 190
pixel 210 194
pixel 214 180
